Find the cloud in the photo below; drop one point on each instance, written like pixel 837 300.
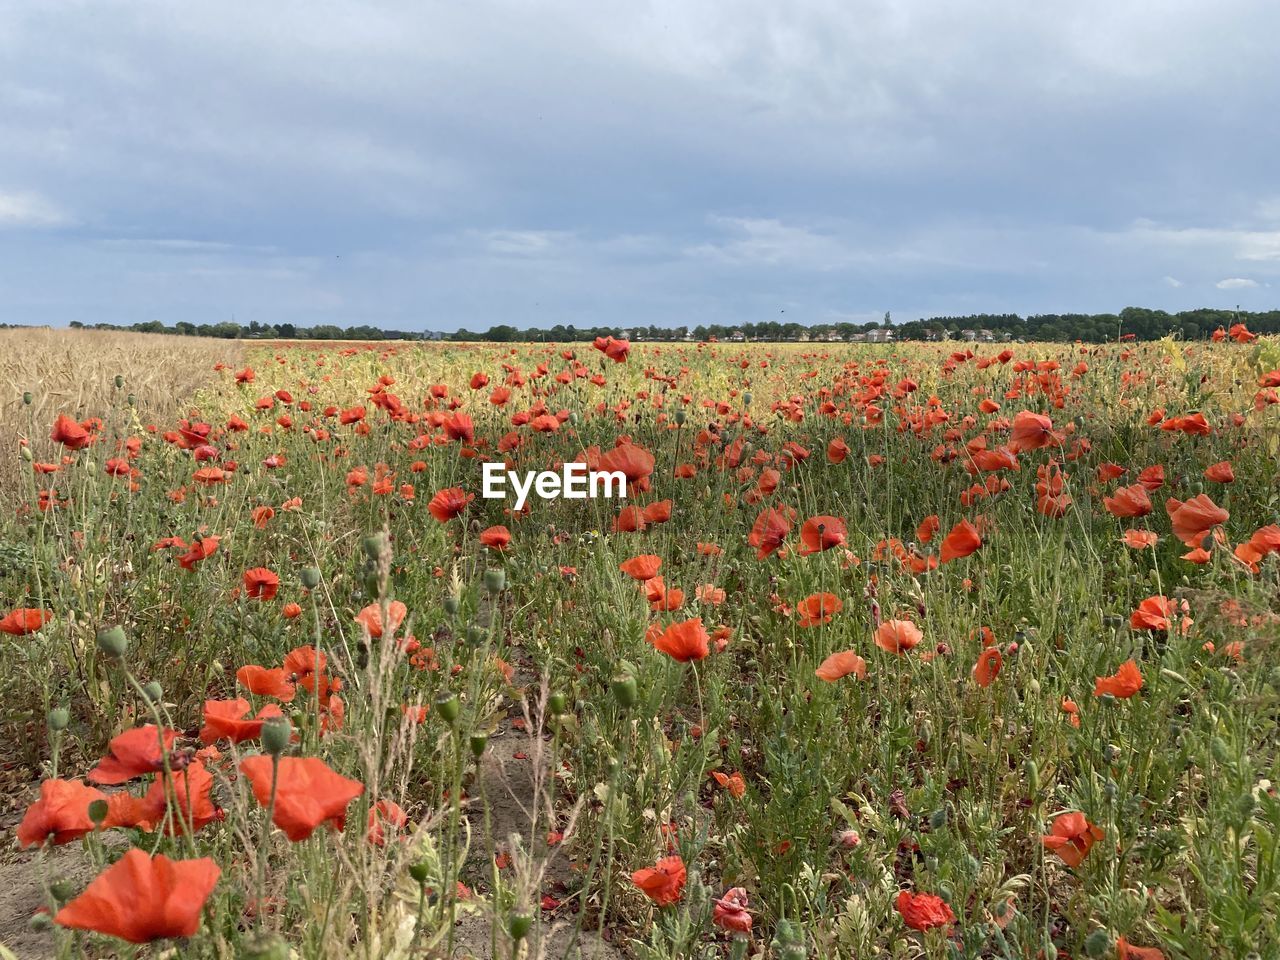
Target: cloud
pixel 1172 282
pixel 1236 283
pixel 29 209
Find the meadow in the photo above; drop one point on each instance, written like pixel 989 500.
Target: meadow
pixel 899 651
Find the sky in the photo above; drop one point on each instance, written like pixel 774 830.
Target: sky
pixel 435 165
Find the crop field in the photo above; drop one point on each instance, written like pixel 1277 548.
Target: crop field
pixel 923 650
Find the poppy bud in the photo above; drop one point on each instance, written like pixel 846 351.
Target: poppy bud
pixel 310 577
pixel 448 706
pixel 680 418
pixel 625 691
pixel 40 922
pixel 58 718
pixel 495 580
pixel 371 582
pixel 938 820
pixel 518 925
pixel 276 732
pixel 153 692
pixel 113 642
pixel 1221 752
pixel 373 545
pixel 98 811
pixel 557 704
pixel 27 398
pixel 478 742
pixel 27 455
pixel 475 633
pixel 451 605
pixel 1097 944
pixel 1109 790
pixel 746 399
pixel 119 381
pixel 62 890
pixel 420 872
pixel 132 400
pixel 1031 771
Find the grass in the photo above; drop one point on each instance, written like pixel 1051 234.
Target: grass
pixel 532 666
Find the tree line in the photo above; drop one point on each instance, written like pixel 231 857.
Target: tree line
pixel 1138 323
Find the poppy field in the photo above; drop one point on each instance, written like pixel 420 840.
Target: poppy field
pixel 920 650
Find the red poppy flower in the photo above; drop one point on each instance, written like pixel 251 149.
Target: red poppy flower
pixel 24 621
pixel 663 883
pixel 1071 837
pixel 1032 431
pixel 134 753
pixel 1193 519
pixel 496 538
pixel 840 665
pixel 61 813
pixel 227 719
pixel 1128 502
pixel 963 540
pixel 1127 951
pixel 266 682
pixel 837 451
pixel 732 782
pixel 1153 614
pixel 1221 472
pixel 261 584
pixel 635 463
pixel 200 550
pixel 386 814
pixel 1139 539
pixel 1122 684
pixel 308 793
pixel 988 666
pixel 371 617
pixel 142 898
pixel 821 533
pixel 643 567
pixel 897 636
pixel 448 503
pixel 681 641
pixel 69 433
pixel 730 912
pixel 923 911
pixel 769 532
pixel 818 609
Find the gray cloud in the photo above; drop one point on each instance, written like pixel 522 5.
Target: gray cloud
pixel 431 164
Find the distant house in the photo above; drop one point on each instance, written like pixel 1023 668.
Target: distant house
pixel 880 335
pixel 969 336
pixel 737 336
pixel 858 338
pixel 833 336
pixel 935 336
pixel 803 336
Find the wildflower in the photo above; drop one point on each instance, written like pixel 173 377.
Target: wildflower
pixel 1071 837
pixel 730 912
pixel 923 911
pixel 261 584
pixel 141 898
pixel 897 636
pixel 681 641
pixel 663 883
pixel 841 665
pixel 134 753
pixel 308 793
pixel 963 540
pixel 24 621
pixel 1122 684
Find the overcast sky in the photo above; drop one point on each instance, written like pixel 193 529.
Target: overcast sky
pixel 428 165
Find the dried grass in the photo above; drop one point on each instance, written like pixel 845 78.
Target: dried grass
pixel 73 372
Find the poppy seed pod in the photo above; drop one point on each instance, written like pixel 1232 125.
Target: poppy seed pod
pixel 310 577
pixel 62 890
pixel 452 605
pixel 518 925
pixel 276 732
pixel 113 642
pixel 40 922
pixel 625 691
pixel 374 545
pixel 27 398
pixel 58 718
pixel 132 400
pixel 153 692
pixel 448 707
pixel 680 418
pixel 478 742
pixel 557 704
pixel 98 811
pixel 495 581
pixel 119 381
pixel 420 872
